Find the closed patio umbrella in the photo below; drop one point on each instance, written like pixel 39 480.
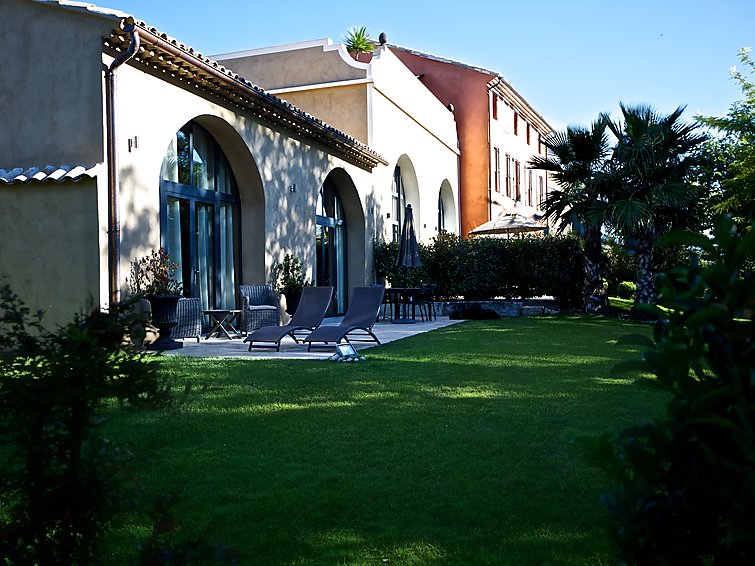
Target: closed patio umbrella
pixel 408 256
pixel 408 249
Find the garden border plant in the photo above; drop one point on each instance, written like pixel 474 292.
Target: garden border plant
pixel 485 268
pixel 63 485
pixel 61 482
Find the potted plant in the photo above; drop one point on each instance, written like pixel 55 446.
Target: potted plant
pixel 153 277
pixel 357 40
pixel 289 281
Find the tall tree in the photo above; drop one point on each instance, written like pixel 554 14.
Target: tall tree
pixel 731 157
pixel 575 159
pixel 647 184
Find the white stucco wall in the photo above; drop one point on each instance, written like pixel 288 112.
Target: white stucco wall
pixel 54 238
pixel 411 128
pixel 400 119
pixel 51 93
pixel 503 137
pixel 266 163
pixel 48 247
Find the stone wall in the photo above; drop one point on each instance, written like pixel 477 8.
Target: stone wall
pixel 502 307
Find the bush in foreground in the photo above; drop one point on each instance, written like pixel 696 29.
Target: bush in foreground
pixel 60 482
pixel 686 483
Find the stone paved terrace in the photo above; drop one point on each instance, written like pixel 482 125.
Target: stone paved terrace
pixel 224 348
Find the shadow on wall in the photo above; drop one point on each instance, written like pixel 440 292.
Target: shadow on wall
pixel 140 224
pixel 375 230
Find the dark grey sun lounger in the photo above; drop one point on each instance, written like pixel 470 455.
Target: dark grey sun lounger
pixel 358 321
pixel 308 316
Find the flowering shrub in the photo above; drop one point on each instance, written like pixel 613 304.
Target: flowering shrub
pixel 154 275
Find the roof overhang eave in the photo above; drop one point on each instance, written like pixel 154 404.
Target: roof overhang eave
pixel 160 52
pixel 504 88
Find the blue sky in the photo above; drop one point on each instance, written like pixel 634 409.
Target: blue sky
pixel 570 59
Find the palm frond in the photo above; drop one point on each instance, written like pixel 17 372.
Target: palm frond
pixel 630 215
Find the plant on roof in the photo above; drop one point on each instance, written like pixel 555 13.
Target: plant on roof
pixel 357 39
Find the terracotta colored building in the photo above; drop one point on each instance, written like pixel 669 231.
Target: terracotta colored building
pixel 498 133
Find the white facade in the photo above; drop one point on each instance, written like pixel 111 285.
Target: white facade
pixel 381 103
pixel 514 140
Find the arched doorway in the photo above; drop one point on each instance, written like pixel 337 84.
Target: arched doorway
pixel 339 247
pixel 200 216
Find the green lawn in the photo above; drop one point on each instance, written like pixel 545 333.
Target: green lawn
pixel 458 446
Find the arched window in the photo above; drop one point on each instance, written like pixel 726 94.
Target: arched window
pixel 199 218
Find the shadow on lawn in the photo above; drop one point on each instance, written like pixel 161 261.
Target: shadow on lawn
pixel 416 455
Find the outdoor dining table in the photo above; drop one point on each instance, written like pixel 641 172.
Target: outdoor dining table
pixel 401 298
pixel 223 320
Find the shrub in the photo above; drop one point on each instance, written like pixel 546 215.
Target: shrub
pixel 155 275
pixel 626 289
pixel 485 268
pixel 289 275
pixel 622 265
pixel 59 481
pixel 686 483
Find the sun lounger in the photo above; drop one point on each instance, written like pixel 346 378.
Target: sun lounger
pixel 357 323
pixel 308 316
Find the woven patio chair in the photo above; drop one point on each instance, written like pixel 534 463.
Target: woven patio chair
pixel 260 307
pixel 189 313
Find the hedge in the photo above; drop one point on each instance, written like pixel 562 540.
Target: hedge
pixel 486 268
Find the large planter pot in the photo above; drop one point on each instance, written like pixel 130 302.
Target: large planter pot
pixel 164 318
pixel 292 301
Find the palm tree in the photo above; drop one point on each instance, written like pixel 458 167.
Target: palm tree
pixel 575 160
pixel 646 185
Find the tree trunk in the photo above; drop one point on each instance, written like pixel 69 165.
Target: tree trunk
pixel 645 293
pixel 594 291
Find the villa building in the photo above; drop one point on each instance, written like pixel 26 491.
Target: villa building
pixel 118 140
pixel 499 131
pixel 377 100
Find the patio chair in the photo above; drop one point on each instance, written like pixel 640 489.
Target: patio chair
pixel 189 314
pixel 426 302
pixel 386 304
pixel 260 307
pixel 308 316
pixel 359 319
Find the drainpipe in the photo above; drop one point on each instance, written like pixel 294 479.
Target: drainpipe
pixel 114 220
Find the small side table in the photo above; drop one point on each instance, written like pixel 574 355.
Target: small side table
pixel 224 321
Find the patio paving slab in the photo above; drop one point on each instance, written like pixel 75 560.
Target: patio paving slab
pixel 290 350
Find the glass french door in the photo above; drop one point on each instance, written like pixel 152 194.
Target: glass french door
pixel 200 217
pixel 200 238
pixel 331 261
pixel 204 260
pixel 330 246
